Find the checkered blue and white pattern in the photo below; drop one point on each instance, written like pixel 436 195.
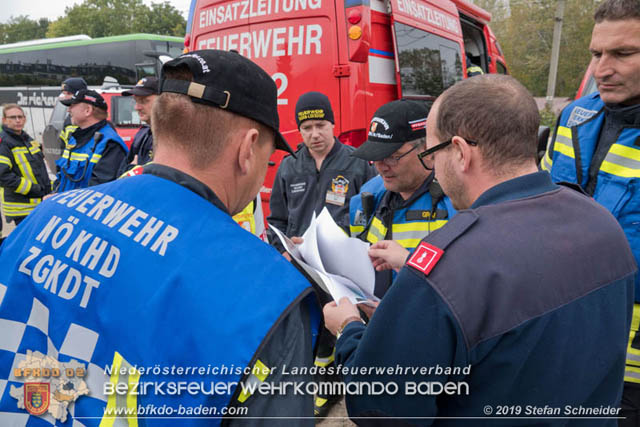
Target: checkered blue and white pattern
pixel 78 342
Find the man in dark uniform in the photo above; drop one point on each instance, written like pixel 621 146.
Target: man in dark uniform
pixel 162 279
pixel 144 94
pixel 323 174
pixel 493 307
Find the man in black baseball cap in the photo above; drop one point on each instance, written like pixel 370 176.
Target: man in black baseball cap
pixel 94 152
pixel 229 88
pixel 144 95
pixel 215 126
pixel 86 96
pixel 403 203
pixel 69 87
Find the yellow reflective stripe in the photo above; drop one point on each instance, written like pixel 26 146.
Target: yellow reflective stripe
pixel 475 69
pixel 79 156
pixel 632 375
pixel 24 187
pixel 65 154
pixel 633 354
pixel 19 154
pixel 131 399
pixel 96 158
pixel 246 219
pixel 324 361
pixel 411 239
pixel 35 147
pixel 564 142
pixel 320 401
pixel 259 373
pixel 356 229
pixel 377 231
pixel 546 162
pixel 5 160
pixel 107 421
pixel 622 161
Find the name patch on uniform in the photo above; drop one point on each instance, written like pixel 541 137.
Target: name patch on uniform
pixel 298 187
pixel 417 215
pixel 425 257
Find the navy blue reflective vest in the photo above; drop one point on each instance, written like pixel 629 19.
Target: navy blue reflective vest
pixel 76 164
pixel 118 276
pixel 569 155
pixel 410 224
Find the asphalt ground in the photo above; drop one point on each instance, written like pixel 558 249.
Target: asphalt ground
pixel 6 228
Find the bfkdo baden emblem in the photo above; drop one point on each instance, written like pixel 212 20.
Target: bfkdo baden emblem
pixel 36 398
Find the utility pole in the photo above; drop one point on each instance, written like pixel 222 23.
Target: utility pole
pixel 555 53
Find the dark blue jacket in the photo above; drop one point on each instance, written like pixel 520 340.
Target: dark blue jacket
pixel 532 294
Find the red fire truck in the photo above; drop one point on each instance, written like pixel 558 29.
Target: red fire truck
pixel 360 53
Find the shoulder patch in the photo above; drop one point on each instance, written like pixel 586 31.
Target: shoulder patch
pixel 425 257
pixel 579 115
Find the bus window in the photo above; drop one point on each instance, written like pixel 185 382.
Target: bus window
pixel 123 113
pixel 429 64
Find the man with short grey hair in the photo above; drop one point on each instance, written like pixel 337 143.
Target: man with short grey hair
pixel 597 146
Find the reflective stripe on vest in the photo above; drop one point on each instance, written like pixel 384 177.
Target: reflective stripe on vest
pixel 407 234
pixel 17 209
pixel 119 403
pixel 65 133
pixel 622 161
pixel 632 370
pixel 20 154
pixel 246 219
pixel 564 142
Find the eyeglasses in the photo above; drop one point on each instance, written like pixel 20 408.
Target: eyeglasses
pixel 392 161
pixel 426 157
pixel 15 117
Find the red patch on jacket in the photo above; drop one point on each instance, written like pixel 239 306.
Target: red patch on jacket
pixel 425 257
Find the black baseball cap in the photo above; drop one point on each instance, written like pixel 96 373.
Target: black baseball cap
pixel 393 125
pixel 229 81
pixel 74 84
pixel 87 96
pixel 145 87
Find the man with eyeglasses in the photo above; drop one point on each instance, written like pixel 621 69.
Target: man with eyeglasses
pixel 522 300
pixel 403 203
pixel 23 174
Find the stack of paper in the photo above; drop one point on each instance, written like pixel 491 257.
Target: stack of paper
pixel 337 263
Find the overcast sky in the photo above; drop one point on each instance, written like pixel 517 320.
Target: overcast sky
pixel 53 9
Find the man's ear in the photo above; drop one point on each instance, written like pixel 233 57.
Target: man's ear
pixel 462 153
pixel 247 149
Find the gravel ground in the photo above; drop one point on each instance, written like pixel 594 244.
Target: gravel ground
pixel 337 417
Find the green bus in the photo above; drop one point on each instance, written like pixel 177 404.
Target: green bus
pixel 31 72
